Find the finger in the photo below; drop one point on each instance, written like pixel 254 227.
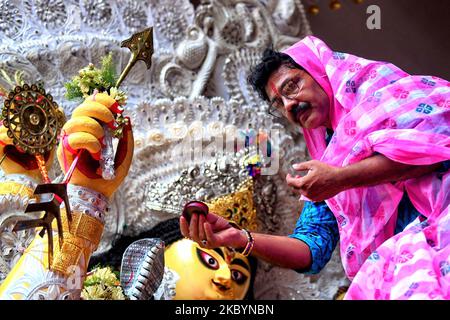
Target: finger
pixel 106 100
pixel 303 166
pixel 193 228
pixel 184 227
pixel 4 139
pixel 84 124
pixel 64 158
pixel 210 236
pixel 217 222
pixel 82 140
pixel 201 229
pixel 95 110
pixel 212 218
pixel 294 182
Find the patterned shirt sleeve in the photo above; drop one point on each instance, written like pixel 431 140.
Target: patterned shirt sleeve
pixel 317 227
pixel 445 166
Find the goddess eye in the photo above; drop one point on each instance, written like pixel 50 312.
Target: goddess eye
pixel 208 260
pixel 238 276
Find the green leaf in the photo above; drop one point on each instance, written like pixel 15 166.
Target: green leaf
pixel 108 72
pixel 73 91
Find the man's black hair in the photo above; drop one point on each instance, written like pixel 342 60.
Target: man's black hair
pixel 270 61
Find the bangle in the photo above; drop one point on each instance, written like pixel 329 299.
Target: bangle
pixel 87 201
pixel 250 243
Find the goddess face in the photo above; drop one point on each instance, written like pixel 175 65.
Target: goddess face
pixel 208 274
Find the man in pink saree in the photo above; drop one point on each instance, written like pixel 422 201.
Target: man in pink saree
pixel 388 137
pixel 377 108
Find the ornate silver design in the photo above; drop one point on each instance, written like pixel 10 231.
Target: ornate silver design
pixel 203 183
pixel 166 290
pixel 52 13
pixel 11 19
pixel 96 13
pixel 134 15
pixel 142 268
pixel 87 201
pixel 12 244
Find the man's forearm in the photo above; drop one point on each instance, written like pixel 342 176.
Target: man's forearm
pixel 379 169
pixel 282 251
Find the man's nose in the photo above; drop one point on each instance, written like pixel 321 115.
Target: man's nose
pixel 288 104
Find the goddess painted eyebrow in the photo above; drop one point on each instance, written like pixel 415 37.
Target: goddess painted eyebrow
pixel 241 263
pixel 236 261
pixel 219 252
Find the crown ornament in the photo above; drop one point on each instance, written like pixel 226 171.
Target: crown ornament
pixel 224 183
pixel 237 207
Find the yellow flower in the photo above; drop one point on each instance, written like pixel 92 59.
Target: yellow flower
pixel 102 284
pixel 117 294
pixel 93 293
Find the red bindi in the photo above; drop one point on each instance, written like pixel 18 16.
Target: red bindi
pixel 274 89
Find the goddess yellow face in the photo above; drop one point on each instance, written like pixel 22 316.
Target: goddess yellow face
pixel 207 274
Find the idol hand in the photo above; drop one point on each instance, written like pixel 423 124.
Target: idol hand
pixel 84 131
pixel 16 161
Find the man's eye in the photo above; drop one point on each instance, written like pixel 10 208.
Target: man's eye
pixel 238 276
pixel 208 260
pixel 290 87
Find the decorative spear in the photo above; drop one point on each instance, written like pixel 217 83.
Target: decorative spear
pixel 141 46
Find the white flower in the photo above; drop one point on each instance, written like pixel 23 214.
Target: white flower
pixel 177 130
pixel 113 92
pixel 85 89
pixel 230 132
pixel 102 284
pixel 215 128
pixel 138 142
pixel 155 137
pixel 118 95
pixel 196 129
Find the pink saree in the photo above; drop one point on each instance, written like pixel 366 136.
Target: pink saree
pixel 377 108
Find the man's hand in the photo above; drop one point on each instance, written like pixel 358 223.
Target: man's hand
pixel 214 229
pixel 218 232
pixel 324 181
pixel 320 183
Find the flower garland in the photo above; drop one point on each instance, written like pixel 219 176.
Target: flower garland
pixel 102 284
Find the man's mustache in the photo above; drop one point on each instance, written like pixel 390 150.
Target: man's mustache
pixel 298 108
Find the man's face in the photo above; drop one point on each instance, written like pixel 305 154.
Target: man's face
pixel 298 97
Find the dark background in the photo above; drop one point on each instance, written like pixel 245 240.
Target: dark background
pixel 414 34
